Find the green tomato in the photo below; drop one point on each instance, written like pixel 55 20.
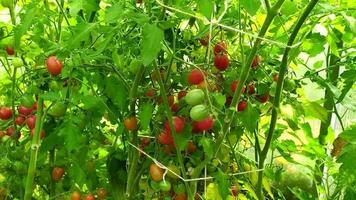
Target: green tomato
pixel 289 85
pixel 57 110
pixel 165 186
pixel 195 97
pixel 179 188
pixel 135 65
pixel 199 112
pixel 53 85
pixel 7 3
pixel 155 186
pixel 27 100
pixel 175 169
pixel 17 62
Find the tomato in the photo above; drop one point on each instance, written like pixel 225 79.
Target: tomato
pixel 165 138
pixel 150 93
pixel 10 131
pixel 178 124
pixel 251 89
pixel 175 107
pixel 275 77
pixel 170 99
pixel 34 106
pixel 234 86
pixel 156 172
pixel 75 196
pixel 54 66
pixel 102 193
pixel 289 85
pixel 220 47
pixel 27 101
pixel 25 111
pixel 175 169
pixel 181 94
pixel 195 97
pixel 221 62
pixel 57 173
pixel 205 40
pixel 255 62
pixel 180 197
pixel 199 112
pixel 191 147
pixel 228 101
pixel 42 134
pixel 195 77
pixel 130 123
pixel 203 125
pixel 2 134
pixel 17 62
pixel 165 186
pixel 53 85
pixel 20 120
pixel 234 190
pixel 89 197
pixel 7 3
pixel 57 110
pixel 145 141
pixel 5 113
pixel 31 122
pixel 263 98
pixel 168 149
pixel 10 51
pixel 241 106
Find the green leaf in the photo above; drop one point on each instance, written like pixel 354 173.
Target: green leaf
pixel 249 117
pixel 145 115
pixel 315 110
pixel 206 7
pixel 289 7
pixel 207 146
pixel 117 92
pixel 113 13
pixel 151 43
pixel 86 5
pixel 223 184
pixel 81 33
pixel 251 6
pixel 71 134
pixel 347 159
pixel 220 99
pixel 26 22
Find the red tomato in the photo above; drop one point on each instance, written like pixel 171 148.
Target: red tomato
pixel 145 141
pixel 150 93
pixel 175 107
pixel 221 62
pixel 165 138
pixel 34 106
pixel 234 86
pixel 131 123
pixel 191 147
pixel 234 190
pixel 178 124
pixel 75 196
pixel 180 197
pixel 156 172
pixel 241 106
pixel 205 40
pixel 10 131
pixel 57 173
pixel 54 66
pixel 89 197
pixel 31 122
pixel 220 47
pixel 263 98
pixel 42 134
pixel 168 149
pixel 24 110
pixel 10 51
pixel 255 62
pixel 275 77
pixel 20 120
pixel 203 125
pixel 251 89
pixel 5 113
pixel 228 101
pixel 181 94
pixel 195 77
pixel 102 193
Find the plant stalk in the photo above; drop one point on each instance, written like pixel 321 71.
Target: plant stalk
pixel 276 102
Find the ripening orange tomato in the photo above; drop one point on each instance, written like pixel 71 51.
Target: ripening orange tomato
pixel 130 123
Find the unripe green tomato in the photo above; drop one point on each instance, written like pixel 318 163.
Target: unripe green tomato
pixel 199 112
pixel 57 110
pixel 179 188
pixel 155 185
pixel 17 62
pixel 165 186
pixel 195 97
pixel 289 85
pixel 53 85
pixel 27 100
pixel 175 169
pixel 135 65
pixel 7 3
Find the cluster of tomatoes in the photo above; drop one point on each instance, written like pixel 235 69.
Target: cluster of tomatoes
pixel 101 193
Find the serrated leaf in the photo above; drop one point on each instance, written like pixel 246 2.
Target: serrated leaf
pixel 182 139
pixel 81 33
pixel 113 13
pixel 86 5
pixel 223 184
pixel 315 110
pixel 250 117
pixel 251 6
pixel 207 146
pixel 145 115
pixel 71 134
pixel 117 92
pixel 26 22
pixel 220 99
pixel 151 43
pixel 205 7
